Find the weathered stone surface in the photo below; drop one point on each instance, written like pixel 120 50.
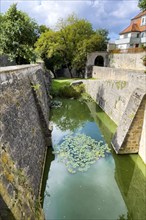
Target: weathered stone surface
pixel 112 90
pixel 25 134
pixel 108 73
pixel 78 82
pixel 128 134
pixel 131 61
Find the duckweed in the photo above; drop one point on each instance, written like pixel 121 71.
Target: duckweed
pixel 79 152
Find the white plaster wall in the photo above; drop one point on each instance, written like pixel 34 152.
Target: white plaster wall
pixel 121 36
pixel 122 46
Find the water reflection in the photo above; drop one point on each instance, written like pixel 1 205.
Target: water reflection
pixel 132 184
pixel 130 172
pixel 70 115
pixel 113 188
pixel 105 124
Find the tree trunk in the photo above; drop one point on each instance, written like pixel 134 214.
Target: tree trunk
pixel 69 69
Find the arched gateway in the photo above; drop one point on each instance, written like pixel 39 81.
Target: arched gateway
pixel 97 58
pixel 99 61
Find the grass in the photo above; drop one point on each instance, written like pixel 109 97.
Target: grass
pixel 62 88
pixel 57 85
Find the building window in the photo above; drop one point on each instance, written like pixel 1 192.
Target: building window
pixel 138 35
pixel 143 34
pixel 143 20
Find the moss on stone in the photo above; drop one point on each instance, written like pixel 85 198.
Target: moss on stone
pixel 20 199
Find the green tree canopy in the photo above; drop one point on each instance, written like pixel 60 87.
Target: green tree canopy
pixel 142 4
pixel 68 45
pixel 18 35
pixel 43 28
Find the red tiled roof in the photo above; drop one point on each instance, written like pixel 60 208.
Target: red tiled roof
pixel 131 28
pixel 135 25
pixel 139 15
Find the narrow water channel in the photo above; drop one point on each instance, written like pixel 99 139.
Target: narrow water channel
pixel 113 188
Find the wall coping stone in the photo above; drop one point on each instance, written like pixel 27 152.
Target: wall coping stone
pixel 7 74
pixel 17 67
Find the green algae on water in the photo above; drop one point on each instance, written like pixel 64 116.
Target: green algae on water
pixel 79 152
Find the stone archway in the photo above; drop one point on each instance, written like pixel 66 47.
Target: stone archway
pixel 93 59
pixel 99 61
pixel 95 56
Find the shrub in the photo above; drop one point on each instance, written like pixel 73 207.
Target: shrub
pixel 71 91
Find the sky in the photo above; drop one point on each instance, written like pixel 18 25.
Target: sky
pixel 113 15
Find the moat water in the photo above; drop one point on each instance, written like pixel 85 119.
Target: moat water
pixel 113 188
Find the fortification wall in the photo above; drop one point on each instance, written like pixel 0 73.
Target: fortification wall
pixel 112 91
pixel 127 61
pixel 24 137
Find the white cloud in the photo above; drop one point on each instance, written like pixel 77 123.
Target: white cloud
pixel 113 15
pixel 123 10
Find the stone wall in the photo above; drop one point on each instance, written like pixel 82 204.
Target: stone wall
pixel 109 73
pixel 112 90
pixel 129 132
pixel 127 61
pixel 25 136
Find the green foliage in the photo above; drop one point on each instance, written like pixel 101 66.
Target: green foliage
pixel 36 87
pixel 86 97
pixel 18 35
pixel 142 4
pixel 71 91
pixel 62 88
pixel 56 104
pixel 57 85
pixel 69 44
pixel 80 152
pixel 43 28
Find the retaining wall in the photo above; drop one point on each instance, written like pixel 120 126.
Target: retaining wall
pixel 112 91
pixel 24 138
pixel 127 61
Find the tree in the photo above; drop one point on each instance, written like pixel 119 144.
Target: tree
pixel 1 28
pixel 96 42
pixel 18 35
pixel 49 48
pixel 142 4
pixel 43 28
pixel 70 43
